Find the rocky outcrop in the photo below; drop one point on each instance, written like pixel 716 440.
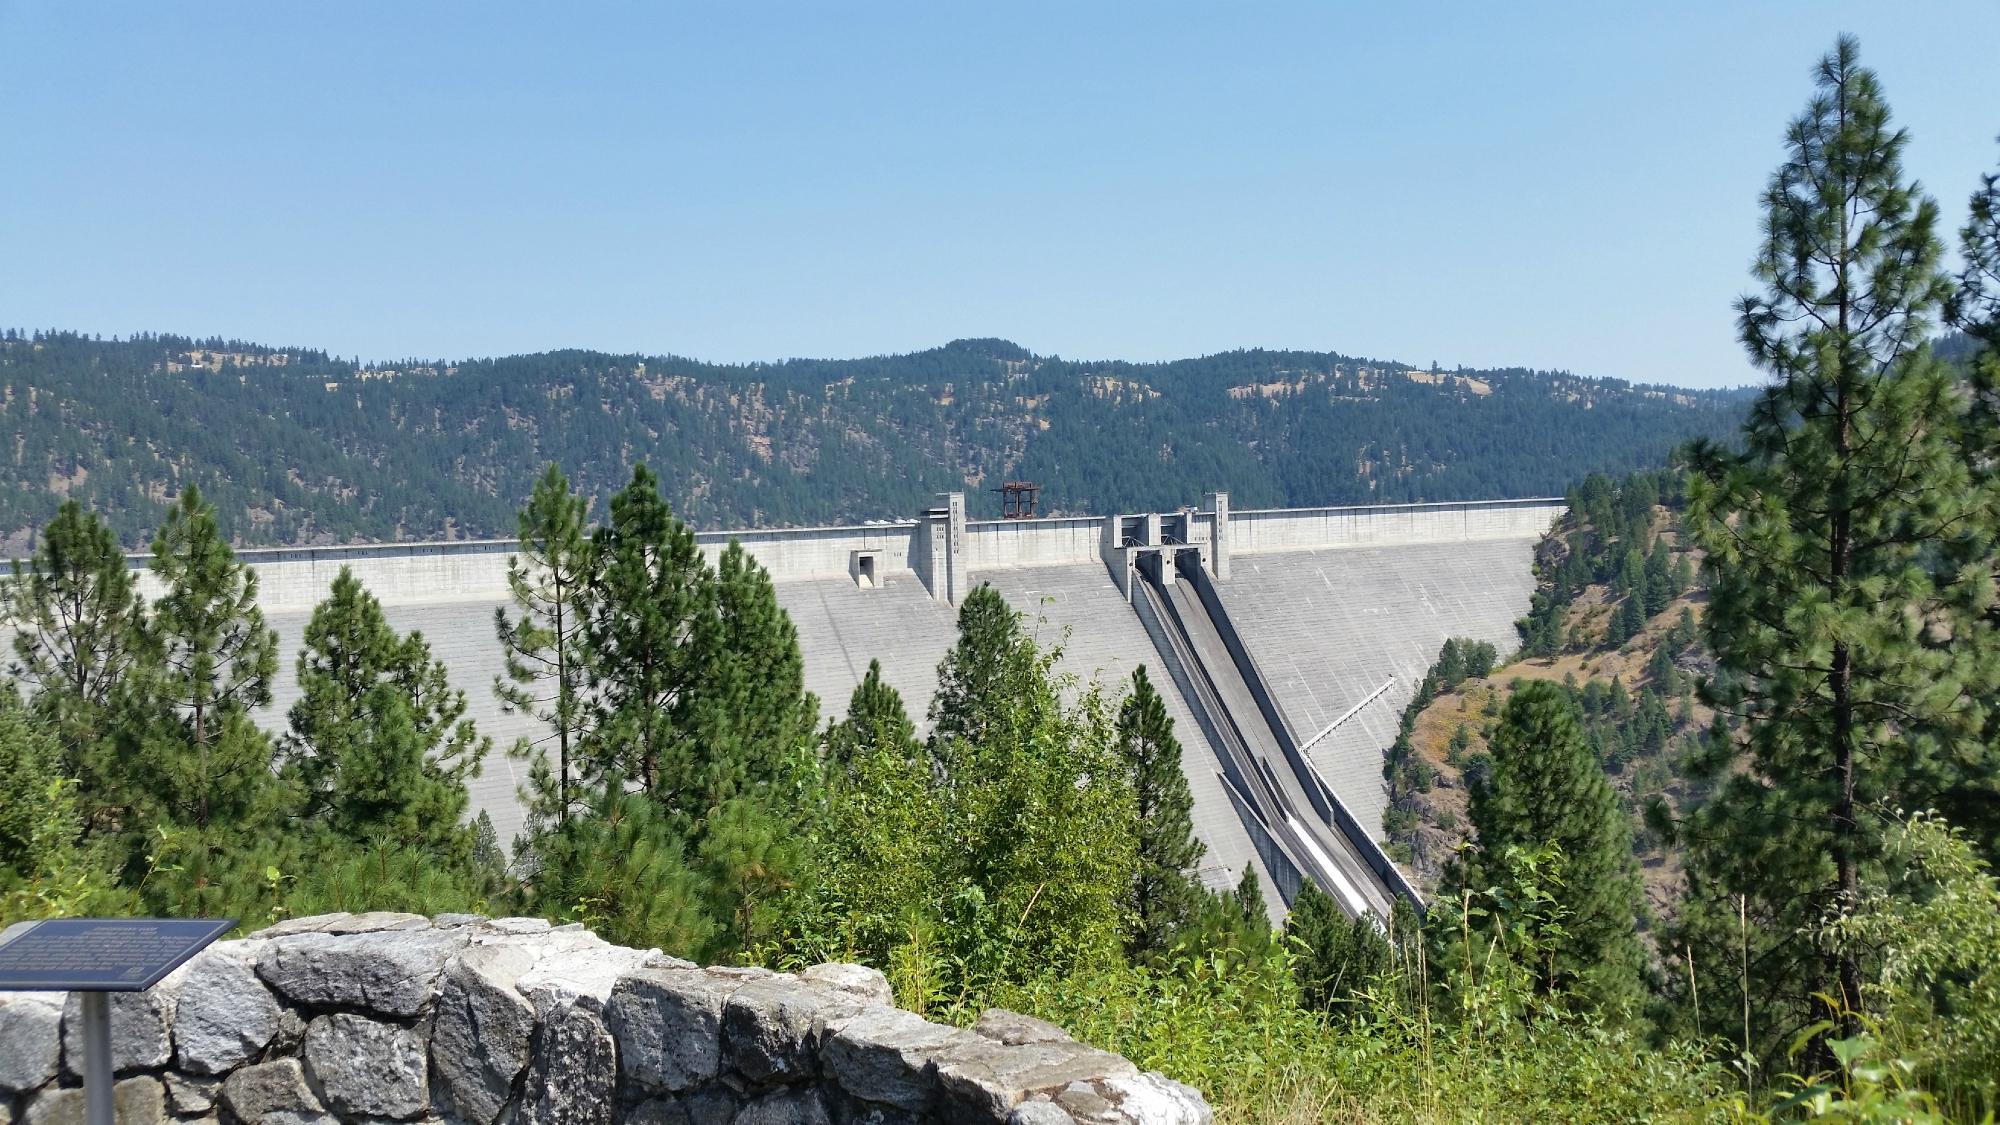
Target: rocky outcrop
pixel 475 1021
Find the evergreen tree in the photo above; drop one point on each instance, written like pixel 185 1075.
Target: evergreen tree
pixel 749 853
pixel 1659 579
pixel 968 677
pixel 876 851
pixel 30 762
pixel 47 868
pixel 1975 307
pixel 621 868
pixel 1164 896
pixel 1840 551
pixel 1975 310
pixel 1249 900
pixel 1660 670
pixel 197 771
pixel 754 713
pixel 1337 957
pixel 380 748
pixel 652 592
pixel 1631 617
pixel 78 624
pixel 1449 667
pixel 875 722
pixel 1682 576
pixel 547 674
pixel 487 855
pixel 1547 790
pixel 1039 838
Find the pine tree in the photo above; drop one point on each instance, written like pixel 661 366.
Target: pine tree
pixel 875 722
pixel 753 712
pixel 79 625
pixel 748 854
pixel 380 747
pixel 487 855
pixel 1249 899
pixel 195 766
pixel 988 630
pixel 1336 956
pixel 547 661
pixel 1164 897
pixel 1659 579
pixel 620 868
pixel 47 868
pixel 1631 617
pixel 1660 670
pixel 30 761
pixel 1975 310
pixel 1547 790
pixel 1449 667
pixel 1975 306
pixel 652 592
pixel 1682 576
pixel 878 839
pixel 1842 550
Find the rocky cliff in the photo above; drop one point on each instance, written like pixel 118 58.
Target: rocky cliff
pixel 396 1017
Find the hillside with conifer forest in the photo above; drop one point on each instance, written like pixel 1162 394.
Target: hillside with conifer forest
pixel 1616 624
pixel 294 446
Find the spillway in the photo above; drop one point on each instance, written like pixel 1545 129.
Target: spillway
pixel 1300 826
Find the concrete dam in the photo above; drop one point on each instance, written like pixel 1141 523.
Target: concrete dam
pixel 1286 642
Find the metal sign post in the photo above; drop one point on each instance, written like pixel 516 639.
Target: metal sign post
pixel 94 957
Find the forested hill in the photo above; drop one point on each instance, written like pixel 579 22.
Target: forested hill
pixel 296 446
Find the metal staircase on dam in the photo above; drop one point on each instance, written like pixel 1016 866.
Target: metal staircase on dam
pixel 1299 825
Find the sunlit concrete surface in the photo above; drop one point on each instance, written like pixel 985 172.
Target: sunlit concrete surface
pixel 1329 627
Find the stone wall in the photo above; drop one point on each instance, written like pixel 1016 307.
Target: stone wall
pixel 395 1017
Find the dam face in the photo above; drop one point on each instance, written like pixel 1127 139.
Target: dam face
pixel 1335 614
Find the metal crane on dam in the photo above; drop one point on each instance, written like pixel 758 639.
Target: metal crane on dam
pixel 1299 825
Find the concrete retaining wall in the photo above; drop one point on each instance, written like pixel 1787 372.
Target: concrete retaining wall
pixel 397 573
pixel 1046 542
pixel 476 571
pixel 1297 529
pixel 817 552
pixel 430 573
pixel 395 1017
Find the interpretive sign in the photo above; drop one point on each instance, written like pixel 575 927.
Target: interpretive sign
pixel 102 954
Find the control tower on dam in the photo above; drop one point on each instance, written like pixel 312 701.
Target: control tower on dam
pixel 1286 642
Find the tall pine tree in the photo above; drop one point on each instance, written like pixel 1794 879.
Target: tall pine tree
pixel 79 626
pixel 652 593
pixel 1972 802
pixel 754 714
pixel 196 766
pixel 547 671
pixel 1164 896
pixel 1846 550
pixel 1547 789
pixel 380 747
pixel 970 674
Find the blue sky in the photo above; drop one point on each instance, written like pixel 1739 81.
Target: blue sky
pixel 1551 185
